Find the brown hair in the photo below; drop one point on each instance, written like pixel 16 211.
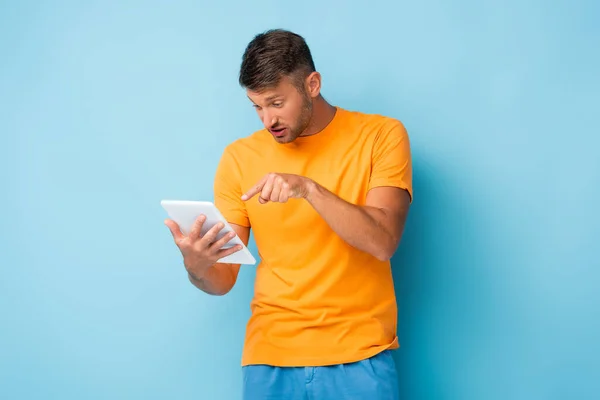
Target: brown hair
pixel 272 55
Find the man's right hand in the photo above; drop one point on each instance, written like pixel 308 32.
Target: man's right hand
pixel 201 252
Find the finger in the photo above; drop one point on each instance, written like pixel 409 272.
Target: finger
pixel 216 246
pixel 197 227
pixel 265 194
pixel 210 237
pixel 175 231
pixel 275 193
pixel 255 189
pixel 225 252
pixel 285 193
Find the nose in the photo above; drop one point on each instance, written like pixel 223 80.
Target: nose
pixel 268 119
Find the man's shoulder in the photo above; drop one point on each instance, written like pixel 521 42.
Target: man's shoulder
pixel 374 123
pixel 248 144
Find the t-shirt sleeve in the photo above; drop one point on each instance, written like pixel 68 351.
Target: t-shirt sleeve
pixel 228 192
pixel 391 159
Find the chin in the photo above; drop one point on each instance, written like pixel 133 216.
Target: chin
pixel 285 139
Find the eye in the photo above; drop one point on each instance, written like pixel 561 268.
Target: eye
pixel 277 104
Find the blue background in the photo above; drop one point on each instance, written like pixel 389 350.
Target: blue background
pixel 105 109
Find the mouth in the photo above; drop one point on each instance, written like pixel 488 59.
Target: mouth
pixel 279 132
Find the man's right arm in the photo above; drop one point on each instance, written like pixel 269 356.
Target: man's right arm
pixel 219 279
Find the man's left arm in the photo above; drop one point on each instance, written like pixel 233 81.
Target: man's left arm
pixel 375 228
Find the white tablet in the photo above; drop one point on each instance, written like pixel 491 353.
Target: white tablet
pixel 186 212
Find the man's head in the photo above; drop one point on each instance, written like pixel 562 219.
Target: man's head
pixel 279 76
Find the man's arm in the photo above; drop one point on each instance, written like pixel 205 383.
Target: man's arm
pixel 219 279
pixel 375 228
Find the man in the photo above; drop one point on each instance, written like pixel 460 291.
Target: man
pixel 326 192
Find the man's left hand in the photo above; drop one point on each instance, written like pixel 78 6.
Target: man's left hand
pixel 279 188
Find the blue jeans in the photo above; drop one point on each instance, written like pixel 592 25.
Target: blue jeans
pixel 372 379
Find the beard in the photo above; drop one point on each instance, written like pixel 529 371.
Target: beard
pixel 303 120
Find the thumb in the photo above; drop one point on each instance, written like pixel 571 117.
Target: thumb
pixel 174 228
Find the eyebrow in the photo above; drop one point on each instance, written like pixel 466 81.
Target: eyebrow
pixel 273 97
pixel 270 98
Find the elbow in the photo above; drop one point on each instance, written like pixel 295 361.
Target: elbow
pixel 384 256
pixel 385 251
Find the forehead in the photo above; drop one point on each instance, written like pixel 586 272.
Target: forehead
pixel 284 88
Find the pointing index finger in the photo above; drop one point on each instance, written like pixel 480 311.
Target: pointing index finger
pixel 254 190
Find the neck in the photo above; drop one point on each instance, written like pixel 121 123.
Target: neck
pixel 322 115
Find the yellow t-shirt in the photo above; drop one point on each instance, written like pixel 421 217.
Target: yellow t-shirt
pixel 317 301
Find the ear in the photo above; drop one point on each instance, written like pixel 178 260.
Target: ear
pixel 313 84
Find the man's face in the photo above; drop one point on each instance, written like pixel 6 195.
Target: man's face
pixel 283 110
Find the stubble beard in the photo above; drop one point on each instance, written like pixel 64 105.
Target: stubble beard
pixel 304 119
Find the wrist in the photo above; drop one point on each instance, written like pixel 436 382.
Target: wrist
pixel 195 278
pixel 199 274
pixel 311 189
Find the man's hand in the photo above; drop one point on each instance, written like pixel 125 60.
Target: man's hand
pixel 279 188
pixel 201 252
